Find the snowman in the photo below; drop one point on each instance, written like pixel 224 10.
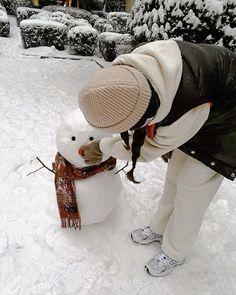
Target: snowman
pixel 96 196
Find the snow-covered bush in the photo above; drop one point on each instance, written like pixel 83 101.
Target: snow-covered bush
pixel 93 19
pixel 229 38
pixel 42 3
pixel 68 20
pixel 115 5
pixel 8 5
pixel 43 33
pixel 61 17
pixel 79 22
pixel 100 13
pixel 200 21
pixel 43 14
pixel 96 14
pixel 113 44
pixel 25 13
pixel 72 11
pixel 118 20
pixel 229 13
pixel 4 22
pixel 12 5
pixel 103 25
pixel 92 4
pixel 82 40
pixel 228 25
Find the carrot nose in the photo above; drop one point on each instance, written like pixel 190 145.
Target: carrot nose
pixel 81 152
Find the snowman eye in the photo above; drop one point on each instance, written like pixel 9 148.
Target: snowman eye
pixel 91 138
pixel 73 138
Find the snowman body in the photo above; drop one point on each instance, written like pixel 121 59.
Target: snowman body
pixel 97 195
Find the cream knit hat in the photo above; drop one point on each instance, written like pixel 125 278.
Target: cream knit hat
pixel 115 98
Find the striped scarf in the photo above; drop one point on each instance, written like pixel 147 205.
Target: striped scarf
pixel 65 175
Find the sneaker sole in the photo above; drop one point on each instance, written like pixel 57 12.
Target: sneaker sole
pixel 157 241
pixel 164 273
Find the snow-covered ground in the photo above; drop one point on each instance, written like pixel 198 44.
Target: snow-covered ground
pixel 37 257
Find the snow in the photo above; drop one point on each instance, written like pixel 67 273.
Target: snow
pixel 191 18
pixel 3 16
pixel 36 255
pixel 215 6
pixel 82 22
pixel 42 15
pixel 25 10
pixel 120 14
pixel 41 23
pixel 112 36
pixel 82 29
pixel 230 31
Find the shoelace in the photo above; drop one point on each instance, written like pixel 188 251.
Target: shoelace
pixel 164 259
pixel 150 234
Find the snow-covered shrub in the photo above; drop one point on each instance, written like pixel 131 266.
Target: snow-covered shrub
pixel 118 20
pixel 43 33
pixel 4 22
pixel 12 5
pixel 68 20
pixel 92 4
pixel 115 5
pixel 113 44
pixel 63 18
pixel 42 3
pixel 229 13
pixel 93 19
pixel 43 14
pixel 228 25
pixel 191 20
pixel 100 13
pixel 97 14
pixel 25 13
pixel 72 11
pixel 82 40
pixel 8 5
pixel 79 22
pixel 229 38
pixel 103 25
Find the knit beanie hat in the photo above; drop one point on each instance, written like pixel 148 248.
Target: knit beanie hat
pixel 115 98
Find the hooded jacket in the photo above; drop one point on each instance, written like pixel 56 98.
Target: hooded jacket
pixel 196 85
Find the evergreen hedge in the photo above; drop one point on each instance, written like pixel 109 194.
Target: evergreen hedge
pixel 201 21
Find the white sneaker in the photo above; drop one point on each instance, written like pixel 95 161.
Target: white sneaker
pixel 161 265
pixel 145 236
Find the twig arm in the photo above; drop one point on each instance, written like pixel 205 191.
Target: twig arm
pixel 45 166
pixel 122 169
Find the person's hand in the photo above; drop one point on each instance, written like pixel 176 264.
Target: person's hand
pixel 166 157
pixel 91 153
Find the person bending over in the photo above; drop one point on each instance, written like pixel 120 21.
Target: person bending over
pixel 168 96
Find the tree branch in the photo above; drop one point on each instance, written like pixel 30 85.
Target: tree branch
pixel 43 166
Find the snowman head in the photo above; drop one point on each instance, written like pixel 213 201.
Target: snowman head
pixel 73 132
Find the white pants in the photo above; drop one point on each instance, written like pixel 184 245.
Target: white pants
pixel 189 188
